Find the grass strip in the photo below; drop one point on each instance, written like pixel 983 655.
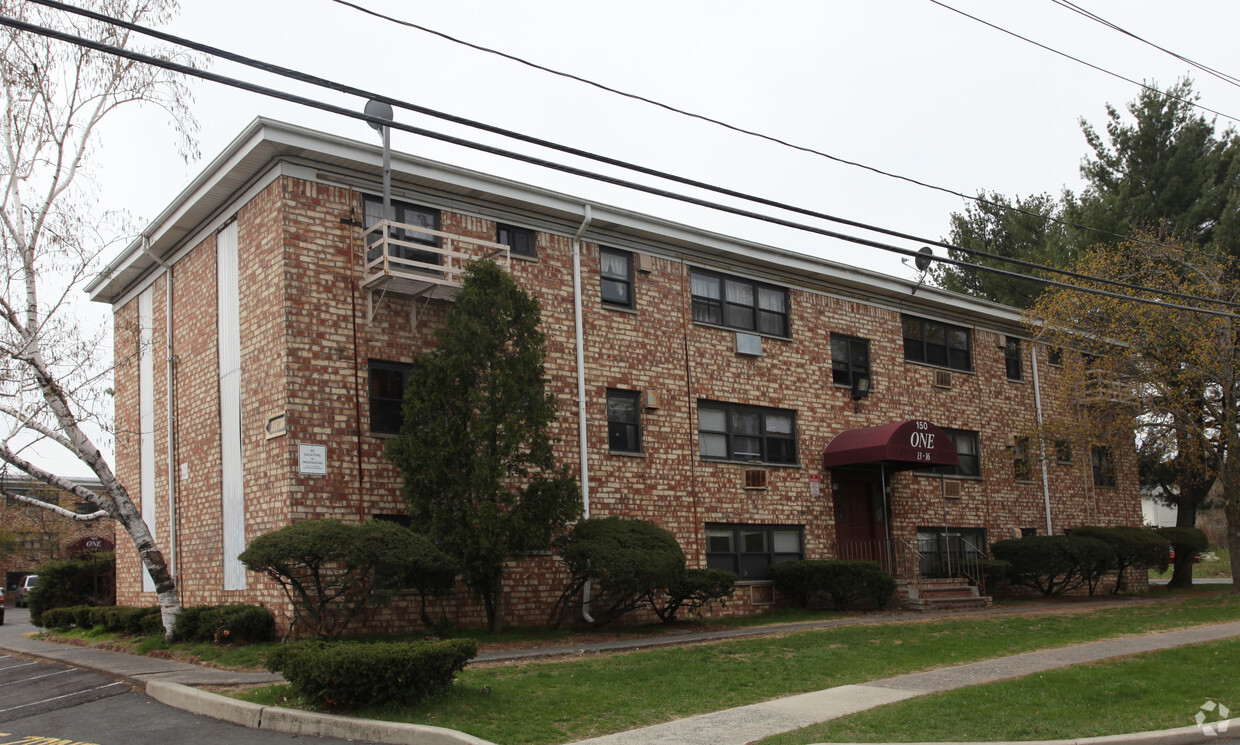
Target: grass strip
pixel 555 702
pixel 1141 693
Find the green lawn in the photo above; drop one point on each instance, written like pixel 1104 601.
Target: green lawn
pixel 1152 691
pixel 1215 563
pixel 555 702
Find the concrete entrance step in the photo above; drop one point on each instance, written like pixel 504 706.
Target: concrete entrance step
pixel 943 595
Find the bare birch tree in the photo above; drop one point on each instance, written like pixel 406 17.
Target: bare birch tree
pixel 55 368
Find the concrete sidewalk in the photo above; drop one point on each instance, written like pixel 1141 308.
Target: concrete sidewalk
pixel 177 684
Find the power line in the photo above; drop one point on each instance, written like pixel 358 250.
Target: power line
pixel 1080 61
pixel 615 181
pixel 332 85
pixel 1230 79
pixel 321 82
pixel 763 136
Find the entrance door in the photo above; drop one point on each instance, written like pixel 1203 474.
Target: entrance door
pixel 860 518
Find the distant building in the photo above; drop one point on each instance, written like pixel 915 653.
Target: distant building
pixel 1157 513
pixel 37 535
pixel 760 404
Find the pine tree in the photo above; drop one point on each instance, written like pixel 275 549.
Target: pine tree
pixel 477 460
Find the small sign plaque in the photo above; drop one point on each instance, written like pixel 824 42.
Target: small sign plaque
pixel 312 460
pixel 815 487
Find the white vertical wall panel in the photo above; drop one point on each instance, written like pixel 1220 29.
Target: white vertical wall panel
pixel 146 418
pixel 233 481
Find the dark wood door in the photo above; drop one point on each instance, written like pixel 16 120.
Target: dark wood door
pixel 860 528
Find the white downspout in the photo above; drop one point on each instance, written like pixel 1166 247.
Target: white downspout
pixel 583 452
pixel 1037 403
pixel 168 400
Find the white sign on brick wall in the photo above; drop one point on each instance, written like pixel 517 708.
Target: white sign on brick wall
pixel 312 460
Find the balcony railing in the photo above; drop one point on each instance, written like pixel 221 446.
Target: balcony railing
pixel 395 262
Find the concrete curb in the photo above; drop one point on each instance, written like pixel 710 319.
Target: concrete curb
pixel 1191 735
pixel 305 723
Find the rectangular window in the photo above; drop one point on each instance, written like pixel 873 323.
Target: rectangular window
pixel 749 433
pixel 616 277
pixel 1021 465
pixel 748 551
pixel 969 460
pixel 406 214
pixel 1063 451
pixel 1103 466
pixel 520 241
pixel 739 303
pixel 387 396
pixel 1011 358
pixel 955 544
pixel 623 422
pixel 936 343
pixel 1054 356
pixel 850 360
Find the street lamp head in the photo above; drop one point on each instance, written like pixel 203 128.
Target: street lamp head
pixel 378 110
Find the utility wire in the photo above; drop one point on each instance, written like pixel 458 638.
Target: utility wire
pixel 1078 60
pixel 615 181
pixel 321 82
pixel 1226 78
pixel 759 135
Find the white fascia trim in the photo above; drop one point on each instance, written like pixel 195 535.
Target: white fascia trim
pixel 195 239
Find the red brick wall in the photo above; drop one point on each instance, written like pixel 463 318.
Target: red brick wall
pixel 307 341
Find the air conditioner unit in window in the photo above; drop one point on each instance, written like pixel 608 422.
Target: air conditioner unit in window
pixel 942 379
pixel 951 489
pixel 748 344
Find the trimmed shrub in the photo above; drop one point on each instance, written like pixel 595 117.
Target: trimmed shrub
pixel 625 561
pixel 336 573
pixel 844 582
pixel 693 589
pixel 236 623
pixel 353 675
pixel 63 584
pixel 1186 541
pixel 1140 547
pixel 57 618
pixel 1055 564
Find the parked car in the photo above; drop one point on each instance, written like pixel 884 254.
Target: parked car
pixel 1 604
pixel 24 587
pixel 1196 556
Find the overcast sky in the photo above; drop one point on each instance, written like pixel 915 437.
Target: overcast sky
pixel 906 86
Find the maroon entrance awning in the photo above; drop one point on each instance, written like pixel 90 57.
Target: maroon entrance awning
pixel 898 446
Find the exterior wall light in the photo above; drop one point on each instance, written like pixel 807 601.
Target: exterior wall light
pixel 860 388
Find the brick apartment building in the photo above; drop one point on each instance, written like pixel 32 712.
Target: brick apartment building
pixel 38 535
pixel 758 403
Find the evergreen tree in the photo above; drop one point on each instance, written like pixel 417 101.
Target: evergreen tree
pixel 1023 229
pixel 474 450
pixel 1163 169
